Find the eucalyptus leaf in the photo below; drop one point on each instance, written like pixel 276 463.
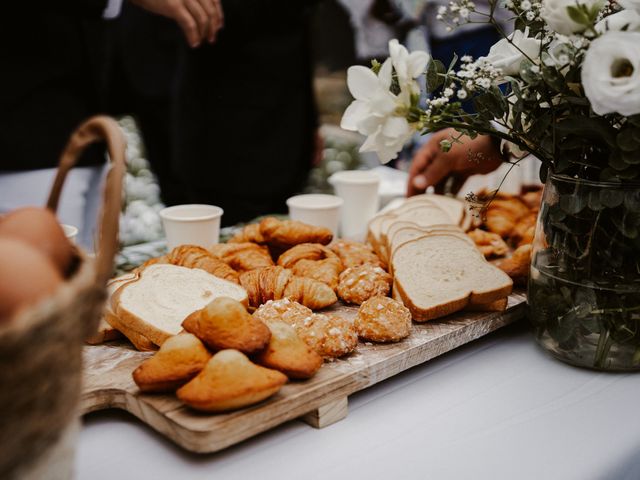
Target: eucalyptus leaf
pixel 626 140
pixel 573 203
pixel 593 201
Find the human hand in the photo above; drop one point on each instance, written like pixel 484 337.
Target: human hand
pixel 433 167
pixel 199 19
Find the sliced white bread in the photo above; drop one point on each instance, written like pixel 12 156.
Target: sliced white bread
pixel 155 304
pixel 439 274
pixel 423 215
pixel 453 206
pixel 406 234
pixel 106 331
pixel 373 232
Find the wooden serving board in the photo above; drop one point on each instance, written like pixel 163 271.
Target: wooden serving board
pixel 320 401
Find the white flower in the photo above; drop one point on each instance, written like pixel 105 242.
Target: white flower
pixel 556 14
pixel 525 5
pixel 530 15
pixel 611 73
pixel 442 10
pixel 378 113
pixel 448 92
pixel 462 94
pixel 628 20
pixel 507 56
pixel 630 4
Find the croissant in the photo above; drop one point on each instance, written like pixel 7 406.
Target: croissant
pixel 243 256
pixel 522 227
pixel 192 256
pixel 500 221
pixel 517 266
pixel 312 260
pixel 249 233
pixel 288 233
pixel 489 243
pixel 274 283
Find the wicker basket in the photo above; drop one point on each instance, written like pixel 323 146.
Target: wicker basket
pixel 41 348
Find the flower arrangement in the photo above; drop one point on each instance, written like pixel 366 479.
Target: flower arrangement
pixel 565 87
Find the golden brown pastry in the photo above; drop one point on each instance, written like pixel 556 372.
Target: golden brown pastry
pixel 288 233
pixel 225 323
pixel 288 353
pixel 528 236
pixel 522 227
pixel 179 359
pixel 532 199
pixel 230 381
pixel 274 283
pixel 331 336
pixel 354 254
pixel 382 319
pixel 489 243
pixel 283 310
pixel 358 284
pixel 313 260
pixel 192 256
pixel 244 256
pixel 500 221
pixel 249 233
pixel 517 266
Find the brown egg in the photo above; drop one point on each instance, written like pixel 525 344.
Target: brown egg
pixel 39 228
pixel 26 276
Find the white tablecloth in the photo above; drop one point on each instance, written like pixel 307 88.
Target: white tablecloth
pixel 499 408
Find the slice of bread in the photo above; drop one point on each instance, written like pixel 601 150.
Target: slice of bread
pixel 454 207
pixel 411 233
pixel 155 304
pixel 439 274
pixel 425 215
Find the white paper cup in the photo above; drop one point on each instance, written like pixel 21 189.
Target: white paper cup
pixel 191 225
pixel 316 209
pixel 70 232
pixel 359 190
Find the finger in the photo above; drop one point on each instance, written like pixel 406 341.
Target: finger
pixel 213 18
pixel 437 170
pixel 200 16
pixel 188 26
pixel 218 6
pixel 416 185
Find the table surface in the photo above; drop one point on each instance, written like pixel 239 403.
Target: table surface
pixel 498 408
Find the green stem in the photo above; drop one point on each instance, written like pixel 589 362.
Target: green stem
pixel 602 351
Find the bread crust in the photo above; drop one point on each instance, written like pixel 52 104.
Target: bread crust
pixel 315 261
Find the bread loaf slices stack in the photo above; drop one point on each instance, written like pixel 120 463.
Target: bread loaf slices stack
pixel 437 268
pixel 153 305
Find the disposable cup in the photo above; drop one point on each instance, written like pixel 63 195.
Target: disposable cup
pixel 70 232
pixel 191 224
pixel 316 209
pixel 359 191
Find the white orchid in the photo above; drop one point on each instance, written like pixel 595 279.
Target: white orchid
pixel 377 112
pixel 555 13
pixel 611 73
pixel 508 53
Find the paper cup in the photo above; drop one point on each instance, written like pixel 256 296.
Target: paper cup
pixel 191 225
pixel 359 191
pixel 70 232
pixel 316 209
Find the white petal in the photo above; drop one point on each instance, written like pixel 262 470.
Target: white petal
pixel 354 114
pixel 383 103
pixel 371 143
pixel 385 73
pixel 362 82
pixel 417 63
pixel 396 127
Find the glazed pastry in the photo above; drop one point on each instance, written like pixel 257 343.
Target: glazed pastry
pixel 249 233
pixel 179 359
pixel 528 236
pixel 358 284
pixel 331 336
pixel 192 256
pixel 288 233
pixel 489 243
pixel 500 221
pixel 274 283
pixel 382 319
pixel 288 353
pixel 517 266
pixel 354 254
pixel 225 323
pixel 522 227
pixel 283 310
pixel 243 256
pixel 313 260
pixel 230 381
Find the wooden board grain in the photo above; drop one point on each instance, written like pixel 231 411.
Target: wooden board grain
pixel 320 401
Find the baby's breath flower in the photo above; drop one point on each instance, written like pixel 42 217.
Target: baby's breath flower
pixel 462 94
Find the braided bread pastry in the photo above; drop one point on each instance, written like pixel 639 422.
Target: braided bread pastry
pixel 274 283
pixel 313 260
pixel 243 256
pixel 192 256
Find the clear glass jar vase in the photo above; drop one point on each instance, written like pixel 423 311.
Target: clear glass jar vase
pixel 584 287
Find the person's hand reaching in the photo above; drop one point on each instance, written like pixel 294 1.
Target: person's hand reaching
pixel 199 19
pixel 433 167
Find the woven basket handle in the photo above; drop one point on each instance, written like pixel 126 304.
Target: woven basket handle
pixel 98 129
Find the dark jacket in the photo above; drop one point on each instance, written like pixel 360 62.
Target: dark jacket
pixel 47 84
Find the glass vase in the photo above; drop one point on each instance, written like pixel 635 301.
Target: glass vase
pixel 584 287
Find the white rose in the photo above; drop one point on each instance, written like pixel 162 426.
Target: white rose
pixel 556 15
pixel 630 4
pixel 611 73
pixel 628 20
pixel 508 54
